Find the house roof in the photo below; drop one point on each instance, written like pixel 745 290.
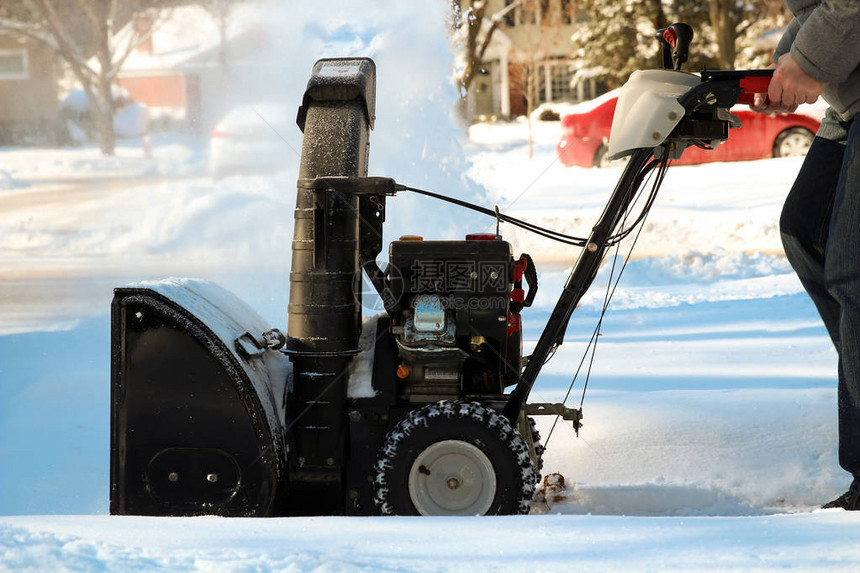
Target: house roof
pixel 190 39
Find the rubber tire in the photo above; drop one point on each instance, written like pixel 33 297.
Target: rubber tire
pixel 472 423
pixel 539 448
pixel 793 132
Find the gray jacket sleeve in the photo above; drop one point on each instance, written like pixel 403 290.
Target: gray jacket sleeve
pixel 827 45
pixel 787 39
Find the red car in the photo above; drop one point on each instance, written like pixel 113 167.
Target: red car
pixel 584 136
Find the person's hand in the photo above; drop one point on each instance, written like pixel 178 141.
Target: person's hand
pixel 791 86
pixel 763 104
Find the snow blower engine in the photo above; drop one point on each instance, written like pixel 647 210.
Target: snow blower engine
pixel 421 410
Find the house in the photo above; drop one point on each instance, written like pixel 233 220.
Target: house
pixel 195 67
pixel 529 43
pixel 153 73
pixel 28 91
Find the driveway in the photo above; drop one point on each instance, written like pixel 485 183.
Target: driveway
pixel 50 276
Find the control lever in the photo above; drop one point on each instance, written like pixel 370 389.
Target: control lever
pixel 675 41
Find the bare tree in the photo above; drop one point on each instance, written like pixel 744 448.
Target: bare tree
pixel 221 11
pixel 94 37
pixel 471 21
pixel 723 15
pixel 732 20
pixel 543 23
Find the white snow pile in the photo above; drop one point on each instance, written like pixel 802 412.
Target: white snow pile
pixel 709 436
pixel 174 156
pixel 8 182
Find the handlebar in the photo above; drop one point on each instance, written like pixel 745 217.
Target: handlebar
pixel 732 86
pixel 675 41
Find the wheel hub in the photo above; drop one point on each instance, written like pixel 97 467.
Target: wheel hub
pixel 452 477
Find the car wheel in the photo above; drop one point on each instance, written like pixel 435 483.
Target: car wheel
pixel 793 142
pixel 601 160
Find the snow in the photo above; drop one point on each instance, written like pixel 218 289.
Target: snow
pixel 586 106
pixel 532 543
pixel 132 121
pixel 709 436
pixel 76 101
pixel 361 367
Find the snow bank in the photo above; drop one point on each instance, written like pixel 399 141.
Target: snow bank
pixel 825 541
pixel 8 182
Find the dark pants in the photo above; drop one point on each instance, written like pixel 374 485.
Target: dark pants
pixel 820 227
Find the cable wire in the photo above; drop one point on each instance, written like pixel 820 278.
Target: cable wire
pixel 537 229
pixel 591 347
pixel 543 231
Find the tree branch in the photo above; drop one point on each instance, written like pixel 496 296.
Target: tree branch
pixel 135 39
pixel 89 10
pixel 69 49
pixel 486 42
pixel 32 31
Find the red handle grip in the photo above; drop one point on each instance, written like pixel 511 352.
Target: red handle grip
pixel 752 85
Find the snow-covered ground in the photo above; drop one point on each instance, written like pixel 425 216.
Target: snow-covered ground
pixel 709 436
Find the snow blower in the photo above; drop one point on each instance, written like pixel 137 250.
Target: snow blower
pixel 422 410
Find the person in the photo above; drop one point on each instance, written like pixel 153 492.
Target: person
pixel 818 55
